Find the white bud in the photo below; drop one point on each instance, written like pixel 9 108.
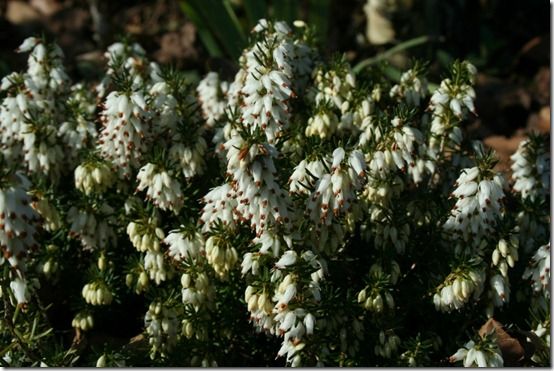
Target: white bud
pixel 495 257
pixel 390 300
pixel 378 303
pixel 102 262
pixel 101 362
pixel 362 296
pixel 503 247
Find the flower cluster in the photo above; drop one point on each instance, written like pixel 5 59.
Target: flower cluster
pixel 91 227
pixel 449 103
pixel 484 353
pixel 458 289
pixel 162 328
pixel 97 293
pixel 412 88
pixel 334 190
pixel 161 188
pixel 539 270
pixel 531 168
pixel 478 205
pixel 388 344
pixel 124 130
pixel 18 231
pixel 335 112
pixel 211 95
pixel 376 297
pixel 504 256
pixel 93 177
pixel 83 321
pixel 30 112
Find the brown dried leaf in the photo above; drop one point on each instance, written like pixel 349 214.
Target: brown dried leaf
pixel 512 350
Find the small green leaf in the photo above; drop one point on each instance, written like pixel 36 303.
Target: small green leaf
pixel 222 21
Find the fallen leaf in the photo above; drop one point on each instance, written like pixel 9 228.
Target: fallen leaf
pixel 512 350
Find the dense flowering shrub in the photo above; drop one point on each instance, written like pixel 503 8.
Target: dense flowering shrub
pixel 299 214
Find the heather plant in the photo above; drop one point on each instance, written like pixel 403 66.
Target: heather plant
pixel 300 214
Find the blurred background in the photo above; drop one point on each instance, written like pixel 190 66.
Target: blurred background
pixel 508 41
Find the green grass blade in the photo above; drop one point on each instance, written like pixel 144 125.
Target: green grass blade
pixel 204 33
pixel 318 16
pixel 255 9
pixel 286 10
pixel 233 17
pixel 222 22
pixel 395 49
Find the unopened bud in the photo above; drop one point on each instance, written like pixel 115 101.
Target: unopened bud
pixel 101 361
pixel 129 279
pixel 102 262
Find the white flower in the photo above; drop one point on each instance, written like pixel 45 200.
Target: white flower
pixel 93 177
pixel 500 290
pixel 101 361
pixel 79 130
pixel 211 95
pixel 198 290
pixel 155 265
pixel 531 169
pixel 539 270
pixel 387 345
pixel 411 88
pixel 18 221
pixel 285 291
pixel 288 258
pixel 97 293
pixel 135 66
pixel 335 192
pixel 123 136
pixel 335 85
pixel 184 245
pixel 260 307
pixel 457 291
pixel 161 187
pixel 484 354
pixel 453 98
pixel 260 199
pixel 12 121
pixel 83 321
pixel 399 147
pixel 28 44
pixel 19 289
pixel 145 234
pixel 309 322
pixel 51 219
pixel 92 229
pixel 220 204
pixel 300 179
pixel 45 68
pixel 162 327
pixel 505 254
pixel 323 124
pixel 478 206
pixel 220 255
pixel 191 159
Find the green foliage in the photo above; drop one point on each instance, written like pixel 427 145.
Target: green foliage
pixel 223 25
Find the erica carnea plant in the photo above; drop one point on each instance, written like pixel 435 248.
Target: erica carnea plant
pixel 299 214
